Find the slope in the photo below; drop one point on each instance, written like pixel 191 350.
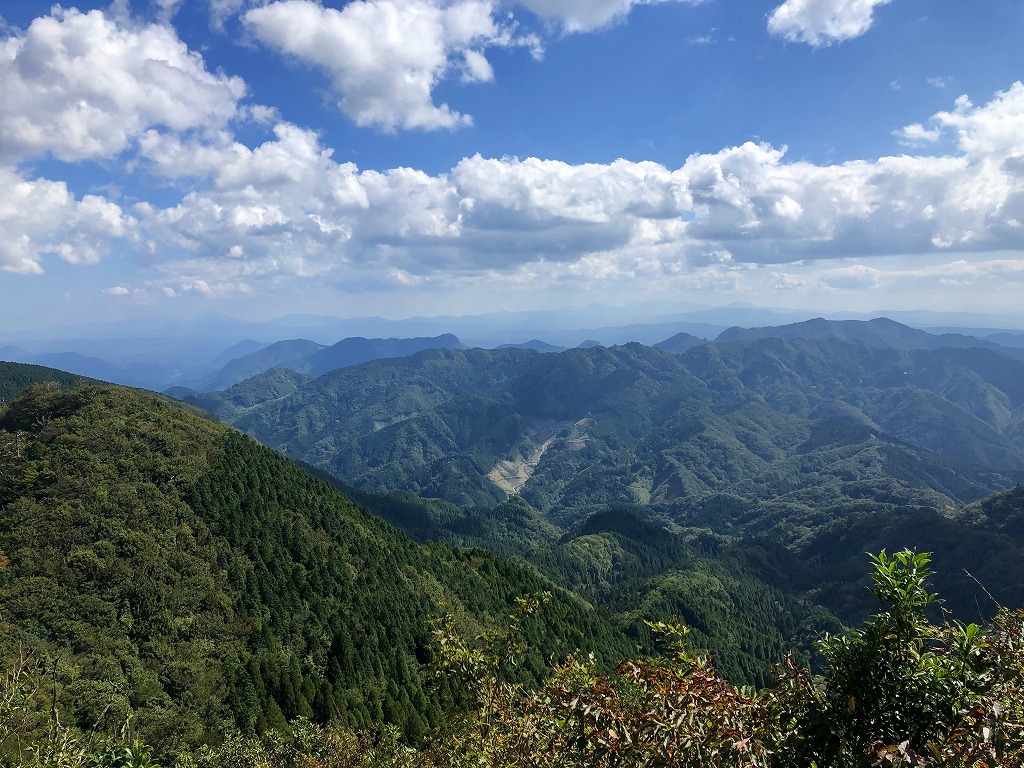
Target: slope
pixel 184 577
pixel 810 424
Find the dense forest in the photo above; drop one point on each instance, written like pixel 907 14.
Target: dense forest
pixel 178 574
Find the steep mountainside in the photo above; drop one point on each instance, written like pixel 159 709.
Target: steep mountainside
pixel 186 576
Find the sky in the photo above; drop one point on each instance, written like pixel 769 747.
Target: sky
pixel 431 157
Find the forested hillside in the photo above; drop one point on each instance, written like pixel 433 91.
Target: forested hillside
pixel 799 429
pixel 15 377
pixel 181 576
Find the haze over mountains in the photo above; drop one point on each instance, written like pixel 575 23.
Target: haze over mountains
pixel 161 353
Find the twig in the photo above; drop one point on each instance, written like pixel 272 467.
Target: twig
pixel 983 589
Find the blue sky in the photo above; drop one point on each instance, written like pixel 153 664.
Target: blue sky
pixel 399 157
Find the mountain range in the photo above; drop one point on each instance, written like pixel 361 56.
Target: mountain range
pixel 807 422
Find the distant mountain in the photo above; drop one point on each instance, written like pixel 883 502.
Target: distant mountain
pixel 280 354
pixel 1007 339
pixel 880 332
pixel 14 354
pixel 359 350
pixel 680 343
pixel 588 343
pixel 239 349
pixel 534 344
pixel 309 357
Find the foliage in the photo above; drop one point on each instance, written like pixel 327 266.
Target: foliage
pixel 899 691
pixel 173 573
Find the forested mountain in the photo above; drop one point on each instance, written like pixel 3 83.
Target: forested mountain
pixel 188 578
pixel 680 343
pixel 803 425
pixel 15 377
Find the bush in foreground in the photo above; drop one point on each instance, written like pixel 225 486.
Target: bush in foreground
pixel 901 690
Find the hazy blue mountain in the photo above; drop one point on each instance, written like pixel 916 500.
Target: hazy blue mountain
pixel 880 332
pixel 280 354
pixel 681 342
pixel 357 350
pixel 14 354
pixel 310 357
pixel 534 344
pixel 236 350
pixel 1007 338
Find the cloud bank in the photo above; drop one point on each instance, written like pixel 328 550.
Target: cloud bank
pixel 288 208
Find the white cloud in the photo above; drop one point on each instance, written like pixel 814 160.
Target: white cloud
pixel 782 281
pixel 995 130
pixel 40 218
pixel 854 278
pixel 915 133
pixel 287 209
pixel 221 10
pixel 823 22
pixel 385 57
pixel 586 15
pixel 80 85
pixel 168 9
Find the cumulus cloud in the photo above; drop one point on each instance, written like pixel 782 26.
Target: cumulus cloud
pixel 823 22
pixel 586 15
pixel 915 133
pixel 40 218
pixel 80 86
pixel 385 57
pixel 853 278
pixel 288 208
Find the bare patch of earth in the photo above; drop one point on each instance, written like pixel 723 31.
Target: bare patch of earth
pixel 513 473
